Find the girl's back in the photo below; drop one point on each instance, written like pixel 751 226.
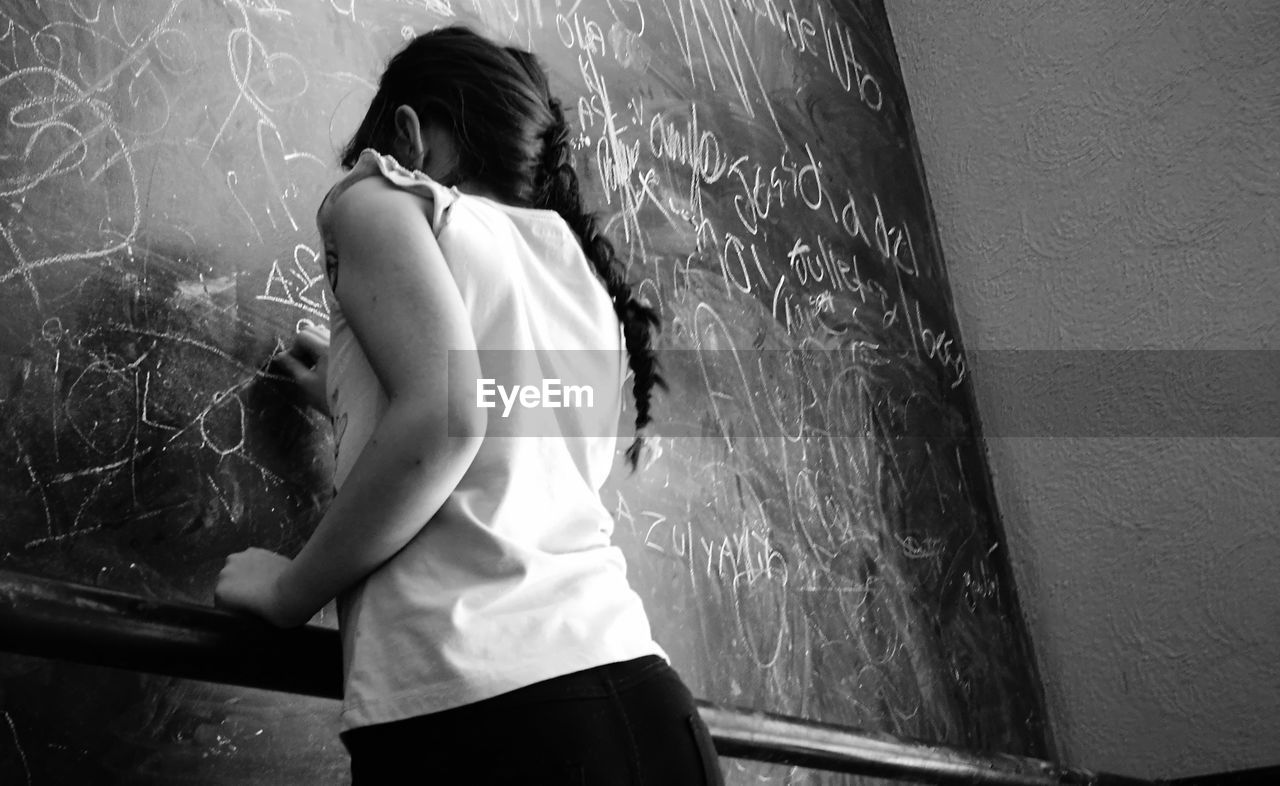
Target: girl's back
pixel 514 580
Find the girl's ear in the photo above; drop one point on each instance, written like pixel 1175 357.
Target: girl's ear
pixel 408 146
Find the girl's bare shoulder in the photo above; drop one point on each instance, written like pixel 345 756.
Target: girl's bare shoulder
pixel 368 200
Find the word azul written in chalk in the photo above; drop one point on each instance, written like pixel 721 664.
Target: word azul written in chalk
pixel 551 394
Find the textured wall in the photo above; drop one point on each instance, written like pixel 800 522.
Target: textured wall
pixel 1107 175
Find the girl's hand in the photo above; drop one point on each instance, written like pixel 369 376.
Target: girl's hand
pixel 250 583
pixel 307 363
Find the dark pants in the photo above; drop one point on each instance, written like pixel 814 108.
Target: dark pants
pixel 625 724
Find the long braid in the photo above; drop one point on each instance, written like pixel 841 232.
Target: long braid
pixel 556 187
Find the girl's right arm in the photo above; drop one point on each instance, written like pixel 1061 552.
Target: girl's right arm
pixel 406 313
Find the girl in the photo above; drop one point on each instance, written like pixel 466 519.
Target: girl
pixel 489 633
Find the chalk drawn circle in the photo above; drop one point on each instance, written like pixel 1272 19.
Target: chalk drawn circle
pixel 51 331
pixel 101 407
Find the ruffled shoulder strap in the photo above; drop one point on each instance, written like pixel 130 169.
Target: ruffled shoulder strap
pixel 371 162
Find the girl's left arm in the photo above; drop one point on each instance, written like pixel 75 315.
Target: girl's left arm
pixel 405 310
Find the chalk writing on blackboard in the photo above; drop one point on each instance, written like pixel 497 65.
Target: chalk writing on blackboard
pixel 813 530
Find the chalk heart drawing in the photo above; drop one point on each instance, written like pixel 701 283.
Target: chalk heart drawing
pixel 279 80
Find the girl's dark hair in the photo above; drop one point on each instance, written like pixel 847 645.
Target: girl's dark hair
pixel 514 140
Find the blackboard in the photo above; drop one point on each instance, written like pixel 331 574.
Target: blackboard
pixel 814 533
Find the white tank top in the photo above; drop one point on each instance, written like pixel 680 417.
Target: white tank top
pixel 514 580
